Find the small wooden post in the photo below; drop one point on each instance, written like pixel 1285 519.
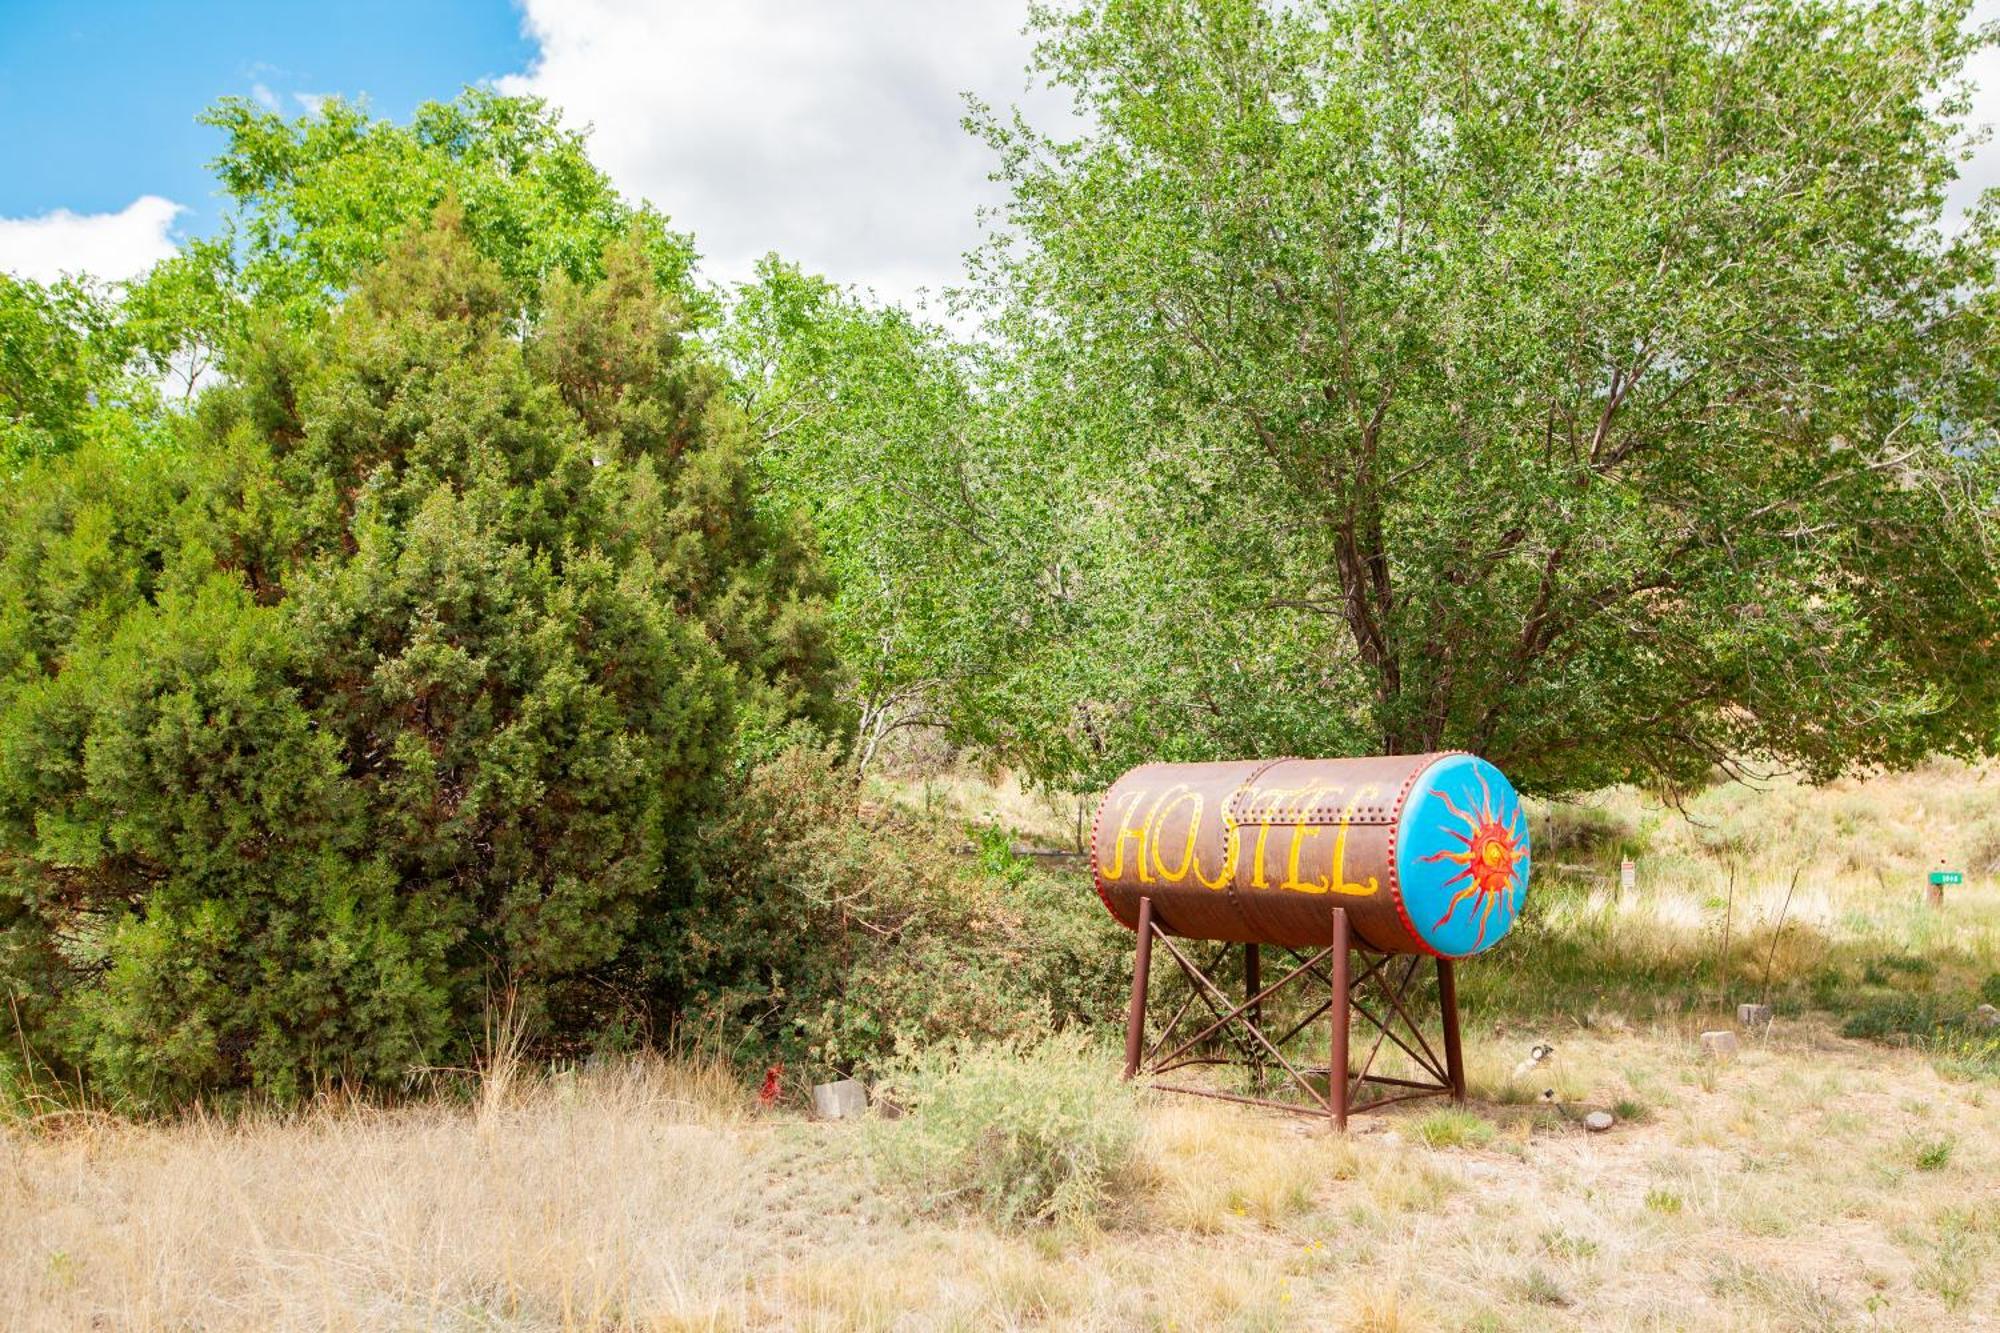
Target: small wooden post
pixel 1454 1052
pixel 1142 967
pixel 1336 1065
pixel 1253 981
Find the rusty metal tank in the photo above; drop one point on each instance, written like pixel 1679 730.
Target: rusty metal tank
pixel 1428 853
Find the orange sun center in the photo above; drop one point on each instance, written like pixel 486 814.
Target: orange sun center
pixel 1492 858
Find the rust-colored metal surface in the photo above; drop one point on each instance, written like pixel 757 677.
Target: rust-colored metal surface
pixel 1427 854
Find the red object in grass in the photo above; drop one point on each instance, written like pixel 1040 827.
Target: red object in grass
pixel 773 1086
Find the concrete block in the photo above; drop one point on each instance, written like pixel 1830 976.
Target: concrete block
pixel 1753 1016
pixel 840 1101
pixel 1720 1045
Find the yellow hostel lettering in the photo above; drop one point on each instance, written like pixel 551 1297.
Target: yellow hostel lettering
pixel 1146 835
pixel 1125 830
pixel 1340 880
pixel 1149 858
pixel 1276 798
pixel 1180 793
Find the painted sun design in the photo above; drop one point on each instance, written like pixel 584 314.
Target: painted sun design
pixel 1492 850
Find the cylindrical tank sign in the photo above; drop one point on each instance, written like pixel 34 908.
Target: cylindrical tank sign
pixel 1428 853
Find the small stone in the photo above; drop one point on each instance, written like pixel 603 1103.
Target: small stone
pixel 1720 1045
pixel 1986 1016
pixel 840 1101
pixel 1753 1015
pixel 1599 1121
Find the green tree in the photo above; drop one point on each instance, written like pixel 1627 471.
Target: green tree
pixel 412 670
pixel 1599 387
pixel 184 315
pixel 871 427
pixel 319 198
pixel 63 370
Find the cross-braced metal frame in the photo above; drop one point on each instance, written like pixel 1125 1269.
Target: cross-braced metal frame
pixel 1237 1026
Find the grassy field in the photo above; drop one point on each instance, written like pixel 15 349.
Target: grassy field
pixel 1817 1180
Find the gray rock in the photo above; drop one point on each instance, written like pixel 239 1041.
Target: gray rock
pixel 1599 1121
pixel 1753 1015
pixel 1720 1045
pixel 1986 1016
pixel 840 1101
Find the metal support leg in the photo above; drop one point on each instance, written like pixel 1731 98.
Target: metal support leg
pixel 1255 1015
pixel 1336 1070
pixel 1454 1052
pixel 1142 966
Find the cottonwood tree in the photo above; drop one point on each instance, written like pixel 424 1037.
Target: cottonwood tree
pixel 319 198
pixel 879 432
pixel 1599 386
pixel 64 374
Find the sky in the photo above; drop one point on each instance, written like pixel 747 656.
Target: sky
pixel 826 130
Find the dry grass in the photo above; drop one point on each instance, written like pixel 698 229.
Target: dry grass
pixel 1801 1189
pixel 1815 1181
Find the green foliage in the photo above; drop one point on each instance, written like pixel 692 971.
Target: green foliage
pixel 1938 1025
pixel 837 942
pixel 186 314
pixel 1897 1015
pixel 1596 388
pixel 412 666
pixel 63 380
pixel 171 765
pixel 1570 830
pixel 322 197
pixel 875 428
pixel 1911 968
pixel 1024 1133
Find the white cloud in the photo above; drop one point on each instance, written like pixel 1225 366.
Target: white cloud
pixel 827 131
pixel 110 246
pixel 1982 173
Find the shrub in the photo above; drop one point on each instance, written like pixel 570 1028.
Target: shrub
pixel 1041 1133
pixel 1887 969
pixel 411 665
pixel 835 942
pixel 1901 1015
pixel 1569 829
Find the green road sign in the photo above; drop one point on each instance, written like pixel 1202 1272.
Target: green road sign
pixel 1947 877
